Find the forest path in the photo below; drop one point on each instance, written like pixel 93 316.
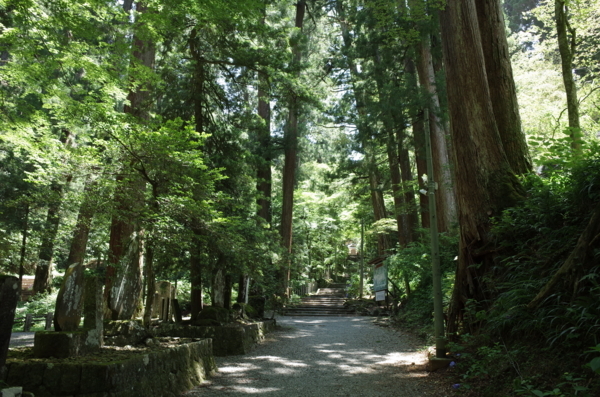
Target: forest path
pixel 325 356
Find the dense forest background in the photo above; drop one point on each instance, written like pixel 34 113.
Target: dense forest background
pixel 240 147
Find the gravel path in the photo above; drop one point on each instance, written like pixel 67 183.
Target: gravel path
pixel 324 356
pixel 21 339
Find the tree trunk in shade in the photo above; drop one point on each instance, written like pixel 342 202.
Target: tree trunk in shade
pixel 290 141
pixel 567 47
pixel 442 164
pixel 503 92
pixel 124 273
pixel 485 181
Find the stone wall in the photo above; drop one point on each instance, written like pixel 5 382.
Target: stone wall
pixel 166 372
pixel 228 340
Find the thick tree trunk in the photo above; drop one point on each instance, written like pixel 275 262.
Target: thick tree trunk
pixel 290 150
pixel 82 227
pixel 503 92
pixel 485 182
pixel 567 47
pixel 124 274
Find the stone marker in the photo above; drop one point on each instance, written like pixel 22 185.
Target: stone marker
pixel 69 302
pixel 9 296
pixel 75 342
pixel 92 310
pixel 164 290
pixel 177 311
pixel 127 284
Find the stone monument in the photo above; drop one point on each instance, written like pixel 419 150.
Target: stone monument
pixel 69 302
pixel 9 296
pixel 85 288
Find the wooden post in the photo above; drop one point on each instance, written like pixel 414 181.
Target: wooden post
pixel 362 256
pixel 438 314
pixel 28 322
pixel 49 317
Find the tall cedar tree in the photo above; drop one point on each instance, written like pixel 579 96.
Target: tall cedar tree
pixel 290 149
pixel 124 273
pixel 485 181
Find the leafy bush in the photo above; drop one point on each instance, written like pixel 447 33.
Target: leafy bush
pixel 534 240
pixel 413 265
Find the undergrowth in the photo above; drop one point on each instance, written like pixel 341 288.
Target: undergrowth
pixel 413 264
pixel 552 349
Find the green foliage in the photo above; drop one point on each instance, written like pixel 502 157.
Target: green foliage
pixel 38 305
pixel 413 264
pixel 594 365
pixel 571 385
pixel 535 238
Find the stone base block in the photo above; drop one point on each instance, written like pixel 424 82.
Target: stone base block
pixel 436 363
pixel 66 344
pixel 11 392
pixel 165 372
pixel 227 340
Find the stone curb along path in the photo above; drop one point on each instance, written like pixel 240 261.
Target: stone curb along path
pixel 325 356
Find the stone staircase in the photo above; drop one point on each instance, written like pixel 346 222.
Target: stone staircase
pixel 326 302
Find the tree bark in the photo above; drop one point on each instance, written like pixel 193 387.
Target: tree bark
pixel 485 182
pixel 567 47
pixel 124 274
pixel 82 227
pixel 503 92
pixel 290 150
pixel 442 164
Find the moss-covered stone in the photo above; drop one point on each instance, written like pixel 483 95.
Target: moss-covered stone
pixel 232 339
pixel 64 344
pixel 219 314
pixel 207 322
pixel 125 332
pixel 162 372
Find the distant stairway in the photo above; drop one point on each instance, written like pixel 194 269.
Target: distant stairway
pixel 326 302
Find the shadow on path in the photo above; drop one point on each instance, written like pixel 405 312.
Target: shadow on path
pixel 326 356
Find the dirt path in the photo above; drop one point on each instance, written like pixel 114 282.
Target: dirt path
pixel 328 356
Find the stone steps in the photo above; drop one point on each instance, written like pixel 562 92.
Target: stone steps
pixel 326 302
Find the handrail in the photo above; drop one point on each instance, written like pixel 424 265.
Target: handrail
pixel 29 319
